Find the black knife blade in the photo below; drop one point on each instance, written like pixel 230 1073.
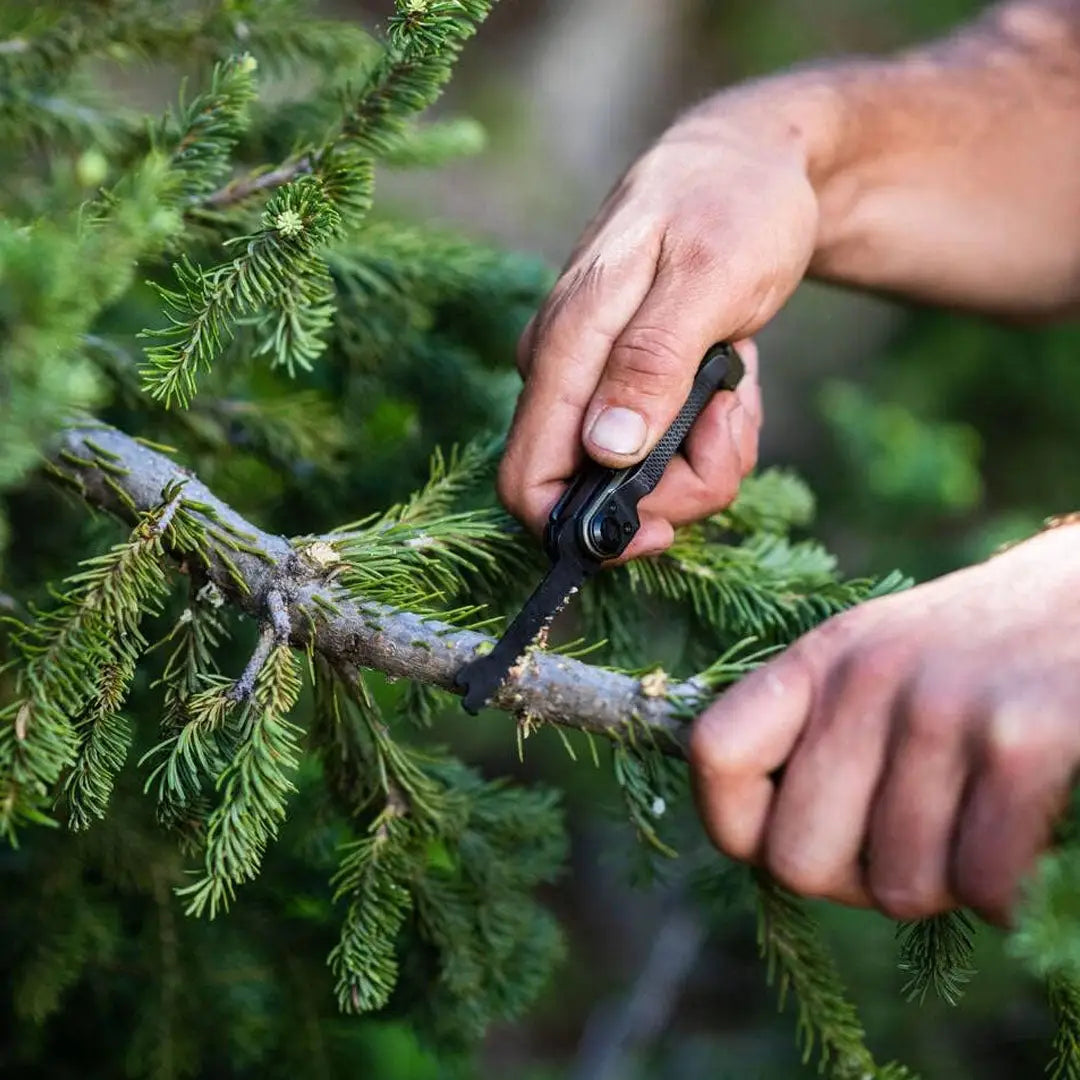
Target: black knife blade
pixel 481 678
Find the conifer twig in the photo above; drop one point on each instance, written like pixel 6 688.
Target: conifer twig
pixel 276 632
pixel 545 688
pixel 244 187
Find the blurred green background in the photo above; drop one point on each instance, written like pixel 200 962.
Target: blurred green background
pixel 929 437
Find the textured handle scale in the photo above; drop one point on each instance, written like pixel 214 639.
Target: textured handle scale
pixel 721 369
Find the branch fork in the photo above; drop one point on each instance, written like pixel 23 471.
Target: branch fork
pixel 294 596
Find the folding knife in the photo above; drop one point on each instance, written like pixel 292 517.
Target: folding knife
pixel 593 522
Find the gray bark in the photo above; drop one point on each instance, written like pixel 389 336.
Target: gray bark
pixel 547 688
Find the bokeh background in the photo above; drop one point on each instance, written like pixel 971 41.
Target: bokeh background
pixel 930 438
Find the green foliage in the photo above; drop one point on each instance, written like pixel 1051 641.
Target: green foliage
pixel 423 554
pixel 774 501
pixel 41 99
pixel 460 854
pixel 229 754
pixel 738 578
pixel 200 137
pixel 104 736
pixel 1047 937
pixel 77 662
pixel 433 144
pixel 937 954
pixel 497 947
pixel 647 781
pixel 50 51
pixel 195 748
pixel 85 932
pixel 906 461
pixel 279 277
pixel 254 784
pixel 799 961
pixel 765 586
pixel 424 38
pixel 282 280
pixel 55 279
pixel 407 274
pixel 1065 1004
pixel 364 961
pixel 307 362
pixel 288 37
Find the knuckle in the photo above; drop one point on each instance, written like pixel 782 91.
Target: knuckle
pixel 983 892
pixel 696 253
pixel 748 452
pixel 719 492
pixel 647 360
pixel 830 641
pixel 581 279
pixel 799 874
pixel 849 667
pixel 588 279
pixel 795 667
pixel 549 316
pixel 937 710
pixel 523 356
pixel 880 659
pixel 1014 740
pixel 711 494
pixel 903 901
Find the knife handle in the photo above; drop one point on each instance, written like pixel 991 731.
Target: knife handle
pixel 598 511
pixel 721 369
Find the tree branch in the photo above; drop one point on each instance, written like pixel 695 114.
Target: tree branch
pixel 243 187
pixel 126 477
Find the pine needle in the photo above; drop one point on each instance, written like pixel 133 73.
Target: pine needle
pixel 937 954
pixel 798 960
pixel 1064 994
pixel 253 787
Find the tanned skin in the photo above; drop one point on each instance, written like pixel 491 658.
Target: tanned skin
pixel 914 753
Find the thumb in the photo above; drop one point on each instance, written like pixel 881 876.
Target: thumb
pixel 651 366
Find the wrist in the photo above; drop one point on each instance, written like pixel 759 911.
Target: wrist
pixel 812 120
pixel 799 115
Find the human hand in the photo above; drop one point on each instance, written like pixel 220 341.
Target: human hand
pixel 927 741
pixel 703 240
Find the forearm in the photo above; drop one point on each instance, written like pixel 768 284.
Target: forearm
pixel 950 173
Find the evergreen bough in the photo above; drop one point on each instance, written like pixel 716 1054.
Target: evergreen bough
pixel 264 265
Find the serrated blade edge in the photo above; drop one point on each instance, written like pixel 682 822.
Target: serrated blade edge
pixel 481 678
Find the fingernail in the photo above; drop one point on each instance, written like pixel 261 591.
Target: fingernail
pixel 619 431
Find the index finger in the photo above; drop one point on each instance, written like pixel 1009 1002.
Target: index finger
pixel 572 337
pixel 739 741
